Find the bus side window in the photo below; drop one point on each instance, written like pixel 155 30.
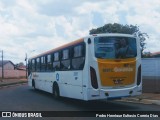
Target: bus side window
pixel 33 65
pixel 56 61
pixel 45 63
pixel 78 57
pixel 49 63
pixel 65 62
pixel 38 64
pixel 42 63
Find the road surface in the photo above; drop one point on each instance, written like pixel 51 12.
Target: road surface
pixel 24 98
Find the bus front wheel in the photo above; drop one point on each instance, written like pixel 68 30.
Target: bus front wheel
pixel 33 84
pixel 55 91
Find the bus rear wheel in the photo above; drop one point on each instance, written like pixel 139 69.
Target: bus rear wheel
pixel 33 84
pixel 56 91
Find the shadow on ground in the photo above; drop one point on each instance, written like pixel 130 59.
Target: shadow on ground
pixel 95 105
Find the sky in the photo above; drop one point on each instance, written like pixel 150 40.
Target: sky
pixel 35 26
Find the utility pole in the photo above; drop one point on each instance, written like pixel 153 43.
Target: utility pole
pixel 2 66
pixel 26 65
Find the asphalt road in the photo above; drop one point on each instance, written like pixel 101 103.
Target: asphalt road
pixel 24 98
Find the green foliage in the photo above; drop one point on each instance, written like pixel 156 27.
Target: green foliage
pixel 142 37
pixel 125 29
pixel 115 28
pixel 147 55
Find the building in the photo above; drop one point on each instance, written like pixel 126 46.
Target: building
pixel 7 65
pixel 155 54
pixel 9 70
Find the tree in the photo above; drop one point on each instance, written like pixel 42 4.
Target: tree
pixel 20 64
pixel 126 29
pixel 147 54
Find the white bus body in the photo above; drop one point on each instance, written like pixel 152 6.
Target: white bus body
pixel 101 77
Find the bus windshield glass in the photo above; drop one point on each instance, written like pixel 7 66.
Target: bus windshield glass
pixel 115 47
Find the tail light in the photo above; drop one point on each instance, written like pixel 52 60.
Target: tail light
pixel 139 75
pixel 93 75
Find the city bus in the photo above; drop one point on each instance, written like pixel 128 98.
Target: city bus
pixel 99 66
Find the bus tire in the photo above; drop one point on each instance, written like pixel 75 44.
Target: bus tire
pixel 55 91
pixel 33 84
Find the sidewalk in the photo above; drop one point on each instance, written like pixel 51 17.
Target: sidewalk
pixel 7 82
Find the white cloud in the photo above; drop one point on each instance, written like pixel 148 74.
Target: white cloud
pixel 26 5
pixel 147 16
pixel 28 25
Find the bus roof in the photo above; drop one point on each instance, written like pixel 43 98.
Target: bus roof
pixel 59 48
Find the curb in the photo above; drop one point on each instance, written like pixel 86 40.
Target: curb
pixel 142 101
pixel 14 83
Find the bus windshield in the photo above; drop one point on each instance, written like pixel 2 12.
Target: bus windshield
pixel 115 47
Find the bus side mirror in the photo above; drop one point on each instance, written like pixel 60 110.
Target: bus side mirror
pixel 71 52
pixel 89 41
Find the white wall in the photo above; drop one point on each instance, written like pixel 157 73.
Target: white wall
pixel 151 67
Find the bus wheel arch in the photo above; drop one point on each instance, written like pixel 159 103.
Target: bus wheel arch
pixel 56 92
